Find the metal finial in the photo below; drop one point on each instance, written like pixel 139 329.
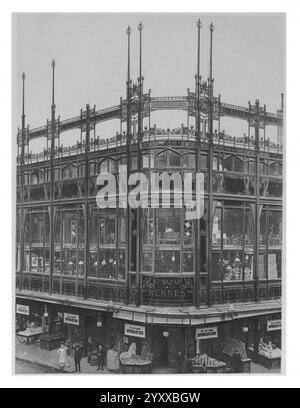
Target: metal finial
pixel 23 76
pixel 199 24
pixel 211 27
pixel 128 30
pixel 53 64
pixel 140 26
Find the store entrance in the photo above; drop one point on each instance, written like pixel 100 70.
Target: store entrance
pixel 160 347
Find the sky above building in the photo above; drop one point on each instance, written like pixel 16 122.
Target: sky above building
pixel 90 51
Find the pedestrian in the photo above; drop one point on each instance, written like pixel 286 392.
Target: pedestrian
pixel 77 358
pixel 180 361
pixel 237 362
pixel 100 355
pixel 90 346
pixel 62 360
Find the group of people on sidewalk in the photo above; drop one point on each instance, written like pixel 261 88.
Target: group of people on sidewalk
pixel 96 355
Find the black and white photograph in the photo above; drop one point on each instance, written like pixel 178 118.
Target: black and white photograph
pixel 149 188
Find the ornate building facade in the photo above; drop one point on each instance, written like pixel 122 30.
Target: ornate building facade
pixel 152 267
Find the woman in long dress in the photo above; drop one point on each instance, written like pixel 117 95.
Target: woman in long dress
pixel 62 359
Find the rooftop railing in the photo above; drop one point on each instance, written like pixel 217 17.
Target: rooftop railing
pixel 153 135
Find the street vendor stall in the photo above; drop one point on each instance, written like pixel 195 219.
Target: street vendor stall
pixel 208 365
pixel 29 335
pixel 130 363
pixel 269 355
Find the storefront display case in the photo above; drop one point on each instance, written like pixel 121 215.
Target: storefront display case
pixel 29 335
pixel 131 363
pixel 268 355
pixel 207 365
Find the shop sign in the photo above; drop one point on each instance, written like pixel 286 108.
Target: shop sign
pixel 22 309
pixel 273 325
pixel 134 330
pixel 207 333
pixel 168 290
pixel 71 319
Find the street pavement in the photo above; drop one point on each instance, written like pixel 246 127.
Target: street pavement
pixel 31 359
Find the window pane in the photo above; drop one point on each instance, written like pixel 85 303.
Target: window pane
pixel 168 226
pixel 167 261
pixel 233 226
pixel 274 265
pixel 161 159
pixel 122 226
pixel 232 266
pixel 37 228
pixel 148 226
pixel 216 266
pixel 147 261
pixel 174 159
pixel 107 234
pixel 203 161
pixel 275 228
pixel 107 267
pixel 187 262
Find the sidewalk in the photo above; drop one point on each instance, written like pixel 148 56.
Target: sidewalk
pixel 34 354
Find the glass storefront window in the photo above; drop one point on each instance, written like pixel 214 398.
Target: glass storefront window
pixel 122 264
pixel 249 227
pixel 274 264
pixel 233 184
pixel 232 266
pixel 216 266
pixel 168 226
pixel 262 270
pixel 94 227
pixel 37 260
pixel 148 226
pixel 275 228
pixel 107 227
pixel 70 230
pixel 263 226
pixel 167 261
pixel 216 227
pixel 187 262
pixel 274 188
pixel 147 261
pixel 93 264
pixel 108 264
pixel 188 232
pixel 233 226
pixel 122 226
pixel 37 228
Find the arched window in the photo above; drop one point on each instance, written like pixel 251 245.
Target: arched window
pixel 162 159
pixel 276 169
pixel 34 177
pixel 108 166
pixel 70 172
pixel 168 158
pixel 233 163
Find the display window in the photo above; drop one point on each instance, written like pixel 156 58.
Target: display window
pixel 168 226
